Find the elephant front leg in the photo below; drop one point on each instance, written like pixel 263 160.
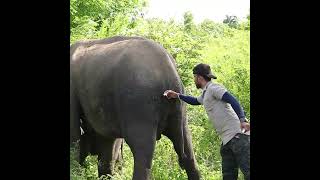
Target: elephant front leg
pixel 105 154
pixel 118 154
pixel 84 148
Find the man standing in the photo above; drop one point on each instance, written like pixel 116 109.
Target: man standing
pixel 228 119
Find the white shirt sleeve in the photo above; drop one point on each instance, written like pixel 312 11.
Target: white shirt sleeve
pixel 217 91
pixel 200 99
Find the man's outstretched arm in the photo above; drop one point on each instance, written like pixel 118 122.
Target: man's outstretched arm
pixel 188 99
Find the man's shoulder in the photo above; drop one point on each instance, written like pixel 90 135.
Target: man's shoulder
pixel 217 90
pixel 215 85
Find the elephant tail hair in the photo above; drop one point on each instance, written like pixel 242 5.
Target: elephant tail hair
pixel 122 149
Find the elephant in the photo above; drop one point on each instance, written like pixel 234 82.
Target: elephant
pixel 116 89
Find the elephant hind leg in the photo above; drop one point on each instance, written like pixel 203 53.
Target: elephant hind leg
pixel 142 144
pixel 142 160
pixel 187 159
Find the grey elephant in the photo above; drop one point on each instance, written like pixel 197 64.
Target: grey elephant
pixel 116 88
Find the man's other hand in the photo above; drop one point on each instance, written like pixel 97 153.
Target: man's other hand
pixel 245 126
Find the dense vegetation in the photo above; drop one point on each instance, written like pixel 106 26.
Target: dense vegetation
pixel 223 45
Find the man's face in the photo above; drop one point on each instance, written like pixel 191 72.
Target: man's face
pixel 196 81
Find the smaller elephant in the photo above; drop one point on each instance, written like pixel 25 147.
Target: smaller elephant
pixel 90 144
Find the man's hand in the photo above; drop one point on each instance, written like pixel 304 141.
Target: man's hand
pixel 245 126
pixel 170 94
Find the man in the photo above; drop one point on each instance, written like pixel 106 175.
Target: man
pixel 228 118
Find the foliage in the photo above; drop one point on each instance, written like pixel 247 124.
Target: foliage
pixel 225 48
pixel 188 21
pixel 231 21
pixel 103 18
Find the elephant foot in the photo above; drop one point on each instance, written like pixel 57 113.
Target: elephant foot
pixel 189 165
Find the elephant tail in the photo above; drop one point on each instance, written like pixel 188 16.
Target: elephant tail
pixel 122 149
